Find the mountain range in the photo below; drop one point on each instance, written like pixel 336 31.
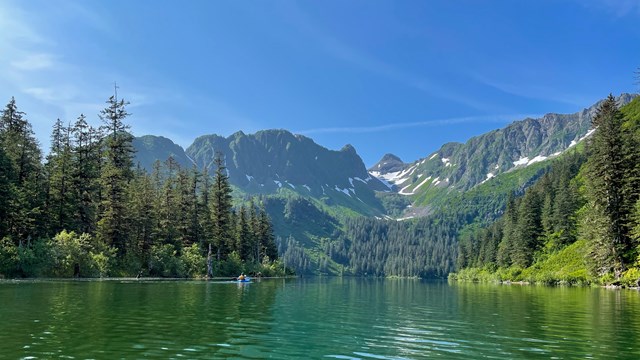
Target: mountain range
pixel 273 161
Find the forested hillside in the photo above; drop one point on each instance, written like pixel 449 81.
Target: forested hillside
pixel 87 211
pixel 459 167
pixel 580 223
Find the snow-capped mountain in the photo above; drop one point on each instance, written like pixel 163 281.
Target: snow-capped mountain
pixel 457 166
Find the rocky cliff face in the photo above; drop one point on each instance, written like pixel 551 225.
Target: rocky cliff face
pixel 272 161
pixel 388 163
pixel 150 148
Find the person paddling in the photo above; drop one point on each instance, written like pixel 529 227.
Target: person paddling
pixel 242 277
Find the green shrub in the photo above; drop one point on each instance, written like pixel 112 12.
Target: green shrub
pixel 195 263
pixel 607 279
pixel 75 255
pixel 233 266
pixel 9 258
pixel 164 262
pixel 631 277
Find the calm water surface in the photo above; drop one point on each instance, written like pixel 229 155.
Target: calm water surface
pixel 314 318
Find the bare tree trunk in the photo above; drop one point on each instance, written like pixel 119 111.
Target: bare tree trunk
pixel 209 263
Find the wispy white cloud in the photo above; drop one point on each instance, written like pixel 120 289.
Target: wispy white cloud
pixel 530 91
pixel 49 95
pixel 362 60
pixel 616 8
pixel 49 82
pixel 429 123
pixel 33 62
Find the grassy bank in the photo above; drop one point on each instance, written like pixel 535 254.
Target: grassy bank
pixel 565 267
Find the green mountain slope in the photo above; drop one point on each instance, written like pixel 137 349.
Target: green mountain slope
pixel 560 230
pixel 459 167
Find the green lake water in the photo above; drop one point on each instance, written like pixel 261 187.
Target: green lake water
pixel 340 318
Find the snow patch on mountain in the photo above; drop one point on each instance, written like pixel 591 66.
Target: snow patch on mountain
pixel 422 183
pixel 522 161
pixel 537 159
pixel 405 218
pixel 489 176
pixel 345 190
pixel 404 192
pixel 526 161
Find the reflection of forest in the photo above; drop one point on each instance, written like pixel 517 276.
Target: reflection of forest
pixel 109 319
pixel 314 318
pixel 574 322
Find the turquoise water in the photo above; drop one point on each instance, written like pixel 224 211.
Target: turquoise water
pixel 314 318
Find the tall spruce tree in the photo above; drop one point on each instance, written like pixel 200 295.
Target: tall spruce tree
pixel 220 205
pixel 141 195
pixel 7 190
pixel 606 168
pixel 507 245
pixel 85 174
pixel 528 229
pixel 24 212
pixel 265 238
pixel 61 201
pixel 243 234
pixel 168 210
pixel 115 174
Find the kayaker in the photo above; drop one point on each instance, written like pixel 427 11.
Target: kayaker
pixel 241 277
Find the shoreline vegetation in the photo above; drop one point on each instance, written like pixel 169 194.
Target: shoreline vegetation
pixel 579 224
pixel 88 211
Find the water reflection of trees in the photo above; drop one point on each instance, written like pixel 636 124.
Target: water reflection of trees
pixel 571 322
pixel 111 319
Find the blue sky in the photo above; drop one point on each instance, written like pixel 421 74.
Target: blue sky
pixel 385 76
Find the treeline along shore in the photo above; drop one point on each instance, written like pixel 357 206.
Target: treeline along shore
pixel 86 210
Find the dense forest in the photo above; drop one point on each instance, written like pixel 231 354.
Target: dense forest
pixel 380 248
pixel 580 223
pixel 315 240
pixel 88 211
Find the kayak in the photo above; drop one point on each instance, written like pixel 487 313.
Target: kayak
pixel 245 280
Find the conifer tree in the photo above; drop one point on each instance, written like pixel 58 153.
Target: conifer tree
pixel 61 200
pixel 254 229
pixel 168 210
pixel 528 229
pixel 606 169
pixel 220 205
pixel 7 190
pixel 115 174
pixel 24 213
pixel 141 195
pixel 188 225
pixel 85 174
pixel 265 237
pixel 507 244
pixel 243 234
pixel 205 221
